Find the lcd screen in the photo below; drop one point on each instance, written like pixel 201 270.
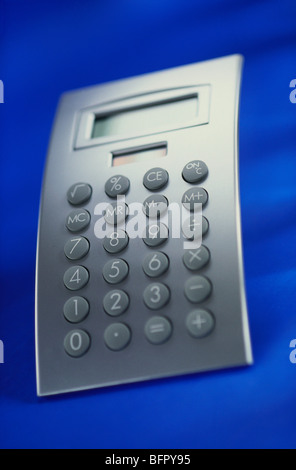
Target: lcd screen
pixel 145 119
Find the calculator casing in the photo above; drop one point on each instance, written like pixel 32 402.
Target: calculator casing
pixel 72 158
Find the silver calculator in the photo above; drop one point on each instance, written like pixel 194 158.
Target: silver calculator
pixel 139 258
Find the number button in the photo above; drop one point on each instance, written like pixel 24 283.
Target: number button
pixel 76 343
pixel 79 193
pixel 116 241
pixel 155 234
pixel 115 271
pixel 116 302
pixel 76 248
pixel 77 220
pixel 117 336
pixel 195 171
pixel 117 185
pixel 200 323
pixel 76 309
pixel 156 295
pixel 155 264
pixel 155 179
pixel 76 277
pixel 196 259
pixel 197 289
pixel 192 199
pixel 158 330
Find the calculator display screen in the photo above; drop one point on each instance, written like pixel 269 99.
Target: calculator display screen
pixel 149 117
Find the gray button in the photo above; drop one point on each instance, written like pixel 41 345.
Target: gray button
pixel 115 302
pixel 158 330
pixel 191 227
pixel 76 343
pixel 155 205
pixel 117 336
pixel 155 234
pixel 77 220
pixel 200 323
pixel 192 198
pixel 115 271
pixel 155 179
pixel 196 259
pixel 197 289
pixel 195 171
pixel 156 295
pixel 76 309
pixel 117 185
pixel 116 213
pixel 79 193
pixel 155 264
pixel 76 277
pixel 76 248
pixel 116 241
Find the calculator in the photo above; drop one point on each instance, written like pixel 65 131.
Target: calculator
pixel 139 258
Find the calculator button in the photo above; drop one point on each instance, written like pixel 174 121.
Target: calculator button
pixel 158 330
pixel 156 295
pixel 155 205
pixel 117 336
pixel 195 171
pixel 155 234
pixel 194 196
pixel 116 241
pixel 200 323
pixel 76 248
pixel 115 302
pixel 155 179
pixel 76 277
pixel 115 271
pixel 197 289
pixel 196 259
pixel 116 213
pixel 191 227
pixel 77 220
pixel 79 193
pixel 155 264
pixel 76 343
pixel 117 185
pixel 76 309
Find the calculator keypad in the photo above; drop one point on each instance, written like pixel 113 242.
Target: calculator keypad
pixel 115 302
pixel 76 343
pixel 158 329
pixel 76 248
pixel 116 241
pixel 117 336
pixel 115 271
pixel 76 309
pixel 78 220
pixel 76 277
pixel 117 185
pixel 155 234
pixel 195 171
pixel 155 264
pixel 79 193
pixel 200 323
pixel 155 179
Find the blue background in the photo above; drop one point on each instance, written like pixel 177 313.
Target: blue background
pixel 49 47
